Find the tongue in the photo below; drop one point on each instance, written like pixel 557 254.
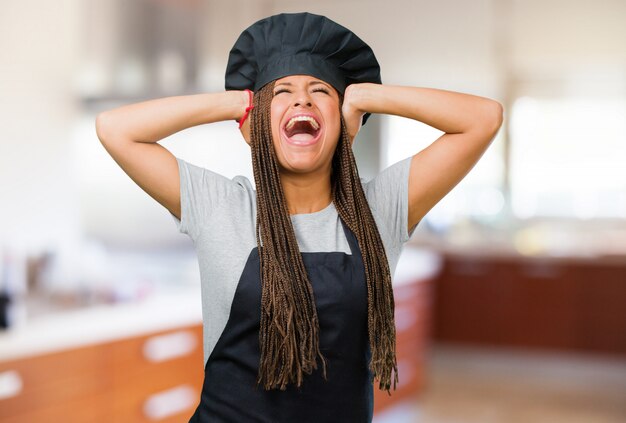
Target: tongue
pixel 301 137
pixel 301 131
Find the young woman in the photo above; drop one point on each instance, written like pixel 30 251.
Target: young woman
pixel 296 275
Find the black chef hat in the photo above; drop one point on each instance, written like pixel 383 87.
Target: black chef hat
pixel 300 43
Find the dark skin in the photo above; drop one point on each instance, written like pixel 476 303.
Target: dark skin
pixel 305 170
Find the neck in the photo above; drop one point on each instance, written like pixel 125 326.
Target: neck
pixel 306 193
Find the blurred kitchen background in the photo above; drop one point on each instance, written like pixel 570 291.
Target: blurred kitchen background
pixel 510 295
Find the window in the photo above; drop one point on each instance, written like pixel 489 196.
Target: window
pixel 478 196
pixel 568 157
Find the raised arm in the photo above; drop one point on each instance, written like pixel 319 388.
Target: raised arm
pixel 130 134
pixel 470 124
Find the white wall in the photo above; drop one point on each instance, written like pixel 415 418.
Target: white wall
pixel 40 45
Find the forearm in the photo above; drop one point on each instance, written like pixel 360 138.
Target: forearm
pixel 448 111
pixel 153 120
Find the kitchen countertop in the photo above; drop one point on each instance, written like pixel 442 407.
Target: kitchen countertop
pixel 77 328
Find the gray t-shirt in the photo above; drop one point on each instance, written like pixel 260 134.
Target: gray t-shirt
pixel 219 215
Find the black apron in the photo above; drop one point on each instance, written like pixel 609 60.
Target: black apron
pixel 230 393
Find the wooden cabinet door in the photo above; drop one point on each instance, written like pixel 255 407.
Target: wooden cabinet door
pixel 56 382
pixel 156 377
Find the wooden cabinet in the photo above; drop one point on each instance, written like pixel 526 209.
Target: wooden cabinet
pixel 45 387
pixel 156 377
pixel 555 303
pixel 413 320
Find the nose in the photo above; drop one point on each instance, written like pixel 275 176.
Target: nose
pixel 302 99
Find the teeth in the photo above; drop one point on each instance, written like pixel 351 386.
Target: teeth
pixel 309 119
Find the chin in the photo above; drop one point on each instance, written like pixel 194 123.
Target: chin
pixel 301 160
pixel 301 165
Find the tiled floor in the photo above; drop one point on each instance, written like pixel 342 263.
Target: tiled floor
pixel 481 385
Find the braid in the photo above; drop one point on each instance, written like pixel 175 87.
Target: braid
pixel 289 326
pixel 289 329
pixel 354 210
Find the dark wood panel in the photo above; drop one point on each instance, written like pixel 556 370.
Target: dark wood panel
pixel 468 301
pixel 538 303
pixel 601 305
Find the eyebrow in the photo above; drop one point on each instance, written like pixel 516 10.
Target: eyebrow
pixel 310 83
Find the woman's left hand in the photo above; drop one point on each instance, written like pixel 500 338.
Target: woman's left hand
pixel 350 110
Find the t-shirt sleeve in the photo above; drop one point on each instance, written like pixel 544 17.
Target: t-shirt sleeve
pixel 201 192
pixel 388 196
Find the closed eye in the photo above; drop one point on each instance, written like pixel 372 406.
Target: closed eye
pixel 281 90
pixel 319 89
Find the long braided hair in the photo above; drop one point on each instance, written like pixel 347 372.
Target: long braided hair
pixel 289 332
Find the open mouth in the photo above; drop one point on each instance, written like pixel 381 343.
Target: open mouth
pixel 302 130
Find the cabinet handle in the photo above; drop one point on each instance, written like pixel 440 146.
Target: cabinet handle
pixel 169 402
pixel 169 346
pixel 10 384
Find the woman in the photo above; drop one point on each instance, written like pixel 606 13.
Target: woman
pixel 296 276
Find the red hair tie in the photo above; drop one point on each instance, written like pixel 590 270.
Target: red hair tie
pixel 247 112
